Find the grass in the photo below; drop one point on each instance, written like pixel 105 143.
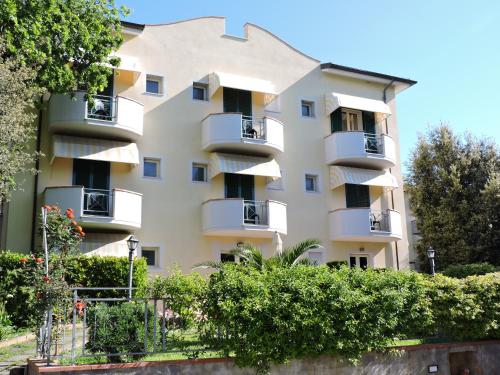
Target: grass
pixel 427 340
pixel 16 333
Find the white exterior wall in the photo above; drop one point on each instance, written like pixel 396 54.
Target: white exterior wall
pixel 187 52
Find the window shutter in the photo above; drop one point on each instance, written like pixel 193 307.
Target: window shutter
pixel 369 122
pixel 336 120
pixel 357 195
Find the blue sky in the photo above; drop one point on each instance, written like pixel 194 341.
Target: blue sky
pixel 452 48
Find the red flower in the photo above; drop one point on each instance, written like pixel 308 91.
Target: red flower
pixel 47 207
pixel 23 260
pixel 74 223
pixel 39 260
pixel 69 213
pixel 46 279
pixel 39 296
pixel 80 305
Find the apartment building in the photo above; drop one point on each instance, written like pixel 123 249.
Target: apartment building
pixel 204 141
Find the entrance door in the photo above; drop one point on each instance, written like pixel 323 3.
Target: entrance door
pixel 237 101
pixel 360 261
pixel 93 175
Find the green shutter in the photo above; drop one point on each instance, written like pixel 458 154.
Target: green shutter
pixel 357 195
pixel 369 122
pixel 336 120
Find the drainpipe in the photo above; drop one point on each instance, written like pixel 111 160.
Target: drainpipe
pixel 37 167
pixel 392 193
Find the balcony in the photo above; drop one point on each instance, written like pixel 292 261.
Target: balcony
pixel 233 132
pixel 359 149
pixel 114 209
pixel 241 218
pixel 111 116
pixel 365 225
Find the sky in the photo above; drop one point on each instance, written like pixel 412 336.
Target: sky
pixel 451 47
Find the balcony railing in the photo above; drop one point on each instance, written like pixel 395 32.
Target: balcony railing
pixel 252 127
pixel 256 212
pixel 374 144
pixel 97 202
pixel 380 221
pixel 103 108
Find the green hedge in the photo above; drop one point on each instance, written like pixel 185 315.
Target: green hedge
pixel 18 295
pixel 463 270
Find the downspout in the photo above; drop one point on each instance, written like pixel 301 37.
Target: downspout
pixel 37 167
pixel 392 193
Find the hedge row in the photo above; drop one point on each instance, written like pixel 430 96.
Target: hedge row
pixel 275 316
pixel 18 296
pixel 461 271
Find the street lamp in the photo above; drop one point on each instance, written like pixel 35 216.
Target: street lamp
pixel 430 254
pixel 132 243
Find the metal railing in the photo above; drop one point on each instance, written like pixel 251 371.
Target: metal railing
pixel 256 212
pixel 104 108
pixel 374 144
pixel 97 202
pixel 86 326
pixel 252 127
pixel 380 221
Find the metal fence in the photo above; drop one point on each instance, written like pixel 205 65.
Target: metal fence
pixel 104 108
pixel 252 127
pixel 374 144
pixel 91 322
pixel 96 202
pixel 256 212
pixel 379 221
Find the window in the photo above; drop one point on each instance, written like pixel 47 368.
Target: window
pixel 351 120
pixel 360 261
pixel 311 183
pixel 315 257
pixel 200 91
pixel 357 195
pixel 151 168
pixel 199 172
pixel 307 108
pixel 227 258
pixel 154 84
pixel 151 255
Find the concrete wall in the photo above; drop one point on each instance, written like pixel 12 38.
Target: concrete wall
pixel 451 359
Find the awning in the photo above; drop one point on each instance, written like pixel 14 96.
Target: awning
pixel 335 100
pixel 216 80
pixel 346 175
pixel 104 244
pixel 252 165
pixel 94 149
pixel 128 63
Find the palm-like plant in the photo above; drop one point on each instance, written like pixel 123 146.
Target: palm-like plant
pixel 252 256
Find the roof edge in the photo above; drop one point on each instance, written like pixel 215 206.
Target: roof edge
pixel 133 25
pixel 348 69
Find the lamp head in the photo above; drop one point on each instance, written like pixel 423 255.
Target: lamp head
pixel 431 252
pixel 132 243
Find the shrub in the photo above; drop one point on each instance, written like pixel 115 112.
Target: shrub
pixel 19 295
pixel 119 328
pixel 182 295
pixel 286 313
pixel 463 270
pixel 6 327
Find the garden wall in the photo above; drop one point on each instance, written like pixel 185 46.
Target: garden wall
pixel 482 358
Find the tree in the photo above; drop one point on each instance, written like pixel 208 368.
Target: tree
pixel 454 187
pixel 17 127
pixel 252 256
pixel 68 41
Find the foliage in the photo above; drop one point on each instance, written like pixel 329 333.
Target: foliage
pixel 17 122
pixel 454 185
pixel 64 235
pixel 284 313
pixel 5 324
pixel 68 41
pixel 461 271
pixel 252 256
pixel 19 295
pixel 118 328
pixel 182 294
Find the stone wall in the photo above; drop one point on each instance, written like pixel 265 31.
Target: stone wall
pixel 482 358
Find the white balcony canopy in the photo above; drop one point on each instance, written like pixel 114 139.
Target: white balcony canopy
pixel 334 100
pixel 240 164
pixel 94 149
pixel 234 81
pixel 347 175
pixel 105 244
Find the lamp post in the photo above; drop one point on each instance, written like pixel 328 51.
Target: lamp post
pixel 132 243
pixel 430 254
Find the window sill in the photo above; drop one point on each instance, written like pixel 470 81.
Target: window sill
pixel 153 94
